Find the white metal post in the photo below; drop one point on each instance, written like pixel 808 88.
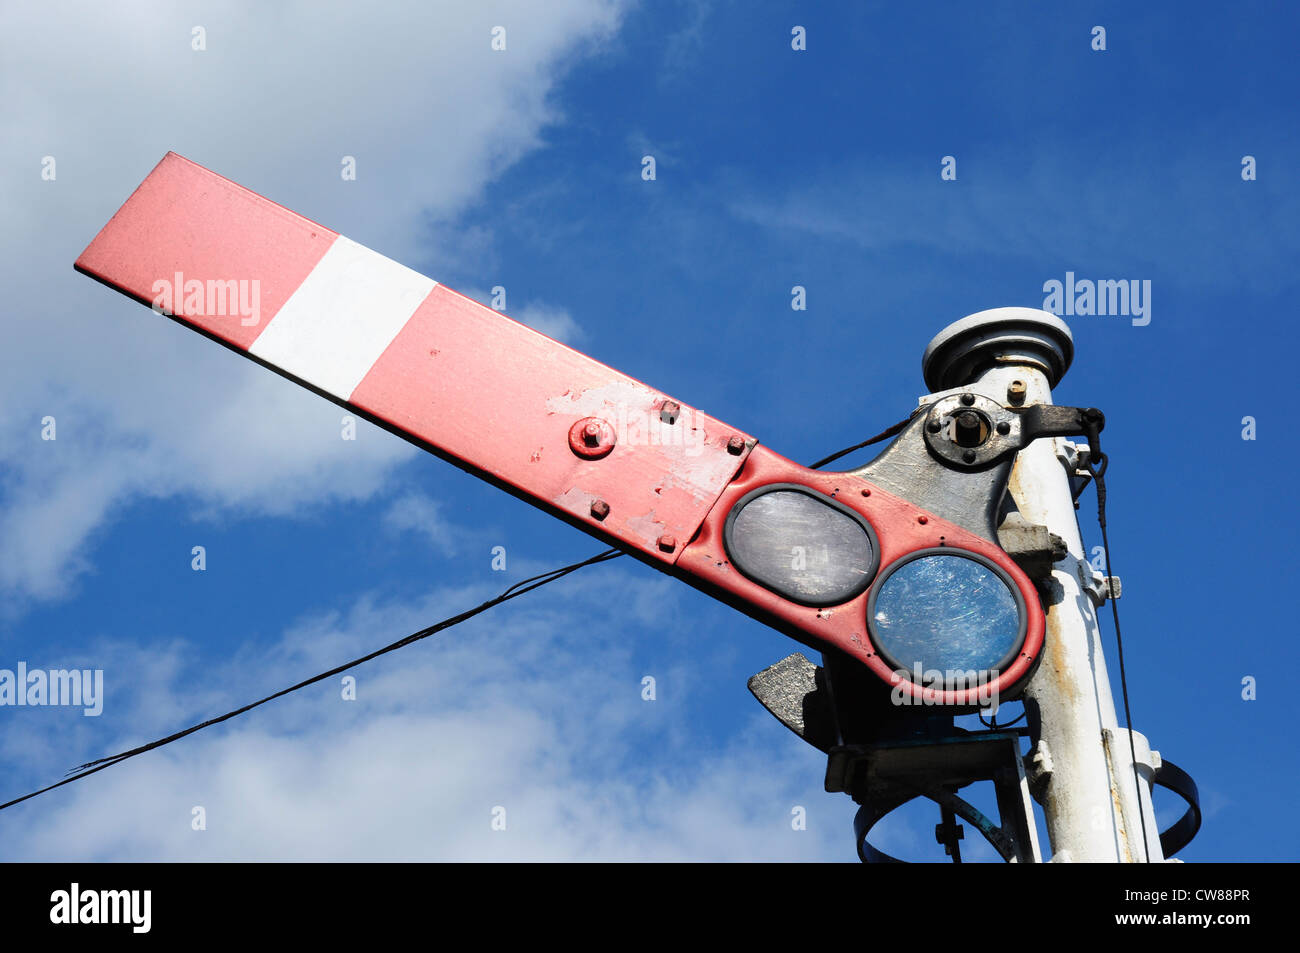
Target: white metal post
pixel 1081 764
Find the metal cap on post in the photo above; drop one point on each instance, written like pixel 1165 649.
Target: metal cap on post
pixel 958 353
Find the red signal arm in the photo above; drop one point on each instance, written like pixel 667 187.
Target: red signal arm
pixel 626 463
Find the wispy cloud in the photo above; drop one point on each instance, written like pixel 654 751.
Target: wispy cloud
pixel 417 512
pixel 554 322
pixel 535 709
pixel 1170 218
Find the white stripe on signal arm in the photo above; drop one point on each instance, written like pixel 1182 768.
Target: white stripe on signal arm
pixel 342 317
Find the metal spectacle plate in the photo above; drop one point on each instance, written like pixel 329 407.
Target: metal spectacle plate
pixel 1002 428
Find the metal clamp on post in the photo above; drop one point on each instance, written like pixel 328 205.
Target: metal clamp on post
pixel 1173 778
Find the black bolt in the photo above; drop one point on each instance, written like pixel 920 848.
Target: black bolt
pixel 1004 428
pixel 970 429
pixel 934 426
pixel 969 456
pixel 968 399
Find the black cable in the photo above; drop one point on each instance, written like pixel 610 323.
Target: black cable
pixel 518 589
pixel 883 435
pixel 994 725
pixel 1097 463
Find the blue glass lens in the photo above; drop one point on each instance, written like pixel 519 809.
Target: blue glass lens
pixel 946 613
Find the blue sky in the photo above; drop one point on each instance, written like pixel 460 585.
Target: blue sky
pixel 522 169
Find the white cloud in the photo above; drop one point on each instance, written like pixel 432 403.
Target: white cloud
pixel 279 96
pixel 535 708
pixel 417 512
pixel 554 322
pixel 1031 202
